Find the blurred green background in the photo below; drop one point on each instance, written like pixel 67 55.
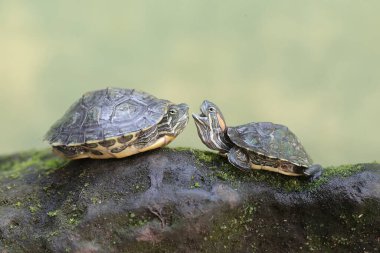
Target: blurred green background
pixel 310 65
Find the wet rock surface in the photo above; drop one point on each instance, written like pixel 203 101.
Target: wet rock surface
pixel 182 201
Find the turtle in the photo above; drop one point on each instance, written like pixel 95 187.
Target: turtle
pixel 116 123
pixel 256 145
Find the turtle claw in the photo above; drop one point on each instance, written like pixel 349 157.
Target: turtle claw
pixel 314 172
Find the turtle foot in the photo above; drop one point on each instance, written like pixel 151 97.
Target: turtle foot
pixel 238 158
pixel 314 172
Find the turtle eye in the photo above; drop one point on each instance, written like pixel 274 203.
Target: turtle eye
pixel 211 109
pixel 172 111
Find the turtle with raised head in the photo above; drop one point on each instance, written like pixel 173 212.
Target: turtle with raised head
pixel 115 123
pixel 259 146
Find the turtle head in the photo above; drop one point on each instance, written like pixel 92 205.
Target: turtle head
pixel 175 120
pixel 212 127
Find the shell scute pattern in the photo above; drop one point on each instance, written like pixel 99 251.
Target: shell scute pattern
pixel 118 149
pixel 271 140
pixel 113 94
pixel 92 117
pixel 76 138
pixel 109 132
pixel 90 145
pixel 96 152
pixel 93 134
pixel 125 110
pixel 107 143
pixel 89 99
pixel 107 113
pixel 125 139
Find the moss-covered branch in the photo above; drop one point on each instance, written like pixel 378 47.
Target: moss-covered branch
pixel 180 200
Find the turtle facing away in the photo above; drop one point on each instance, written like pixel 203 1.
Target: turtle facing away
pixel 260 146
pixel 115 123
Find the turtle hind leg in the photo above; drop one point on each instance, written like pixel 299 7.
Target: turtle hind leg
pixel 238 158
pixel 314 172
pixel 71 152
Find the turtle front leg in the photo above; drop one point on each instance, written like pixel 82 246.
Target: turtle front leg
pixel 239 158
pixel 313 172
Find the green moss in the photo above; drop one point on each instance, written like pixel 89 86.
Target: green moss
pixel 53 233
pixel 224 171
pixel 353 225
pixel 204 156
pixel 137 220
pixel 337 171
pixel 140 187
pixel 195 185
pixel 95 200
pixel 228 230
pixel 18 204
pixel 13 166
pixel 33 209
pixel 73 221
pixel 52 213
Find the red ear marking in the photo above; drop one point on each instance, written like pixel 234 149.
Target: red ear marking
pixel 221 122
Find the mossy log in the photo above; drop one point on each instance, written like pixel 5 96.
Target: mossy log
pixel 182 200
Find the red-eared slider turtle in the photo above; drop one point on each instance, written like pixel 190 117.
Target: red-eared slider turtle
pixel 115 123
pixel 260 146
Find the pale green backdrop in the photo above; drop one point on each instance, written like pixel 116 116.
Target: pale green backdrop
pixel 311 65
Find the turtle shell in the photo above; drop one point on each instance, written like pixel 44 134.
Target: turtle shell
pixel 270 140
pixel 107 113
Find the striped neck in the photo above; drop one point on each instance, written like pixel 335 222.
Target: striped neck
pixel 212 128
pixel 214 136
pixel 219 141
